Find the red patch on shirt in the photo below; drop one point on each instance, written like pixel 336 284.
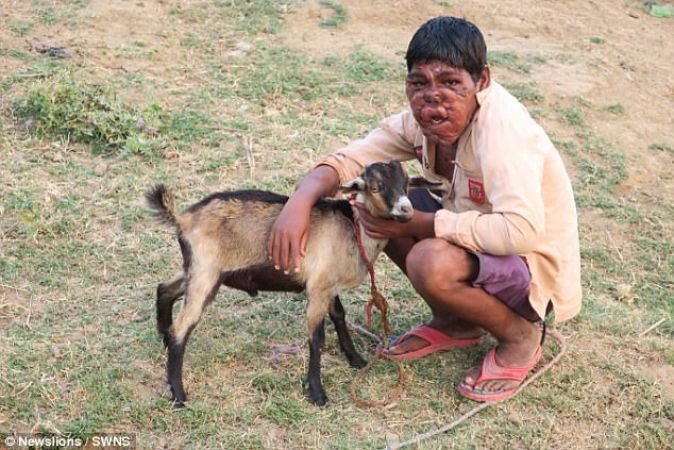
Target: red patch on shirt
pixel 476 191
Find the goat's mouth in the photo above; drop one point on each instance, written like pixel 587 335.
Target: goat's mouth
pixel 402 218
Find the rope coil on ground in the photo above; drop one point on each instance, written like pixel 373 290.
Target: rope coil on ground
pixel 361 373
pixel 395 445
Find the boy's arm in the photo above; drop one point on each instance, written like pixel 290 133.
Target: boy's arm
pixel 288 237
pixel 394 139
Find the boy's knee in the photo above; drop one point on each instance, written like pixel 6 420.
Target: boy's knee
pixel 433 263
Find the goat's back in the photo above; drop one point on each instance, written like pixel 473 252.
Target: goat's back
pixel 231 229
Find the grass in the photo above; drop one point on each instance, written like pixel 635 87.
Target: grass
pixel 61 106
pixel 20 28
pixel 339 15
pixel 661 147
pixel 81 256
pixel 525 92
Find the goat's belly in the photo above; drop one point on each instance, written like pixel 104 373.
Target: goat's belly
pixel 354 279
pixel 261 278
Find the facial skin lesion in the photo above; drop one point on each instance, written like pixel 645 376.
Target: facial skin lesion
pixel 443 98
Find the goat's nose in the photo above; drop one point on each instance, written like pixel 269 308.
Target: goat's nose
pixel 403 209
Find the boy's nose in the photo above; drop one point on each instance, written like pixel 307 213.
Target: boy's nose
pixel 431 95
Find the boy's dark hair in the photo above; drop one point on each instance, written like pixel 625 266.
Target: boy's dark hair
pixel 451 40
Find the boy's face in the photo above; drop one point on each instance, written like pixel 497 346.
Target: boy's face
pixel 443 99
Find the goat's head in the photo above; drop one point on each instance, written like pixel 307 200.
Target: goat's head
pixel 382 188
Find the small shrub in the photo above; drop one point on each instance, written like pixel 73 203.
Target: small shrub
pixel 525 92
pixel 510 61
pixel 615 108
pixel 60 106
pixel 661 147
pixel 572 116
pixel 339 16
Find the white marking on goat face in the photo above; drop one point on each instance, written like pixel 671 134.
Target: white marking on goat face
pixel 402 209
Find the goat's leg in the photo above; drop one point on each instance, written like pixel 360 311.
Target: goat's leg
pixel 345 343
pixel 167 294
pixel 316 391
pixel 319 305
pixel 200 291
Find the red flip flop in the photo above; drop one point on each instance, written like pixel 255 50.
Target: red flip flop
pixel 437 341
pixel 492 371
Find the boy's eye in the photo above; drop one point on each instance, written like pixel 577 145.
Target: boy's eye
pixel 451 82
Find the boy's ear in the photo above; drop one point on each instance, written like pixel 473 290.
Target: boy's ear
pixel 421 182
pixel 355 185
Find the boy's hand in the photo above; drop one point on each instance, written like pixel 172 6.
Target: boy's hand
pixel 287 242
pixel 288 238
pixel 420 227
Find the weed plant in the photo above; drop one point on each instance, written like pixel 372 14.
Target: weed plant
pixel 61 106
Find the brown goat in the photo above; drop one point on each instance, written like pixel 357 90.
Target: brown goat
pixel 223 241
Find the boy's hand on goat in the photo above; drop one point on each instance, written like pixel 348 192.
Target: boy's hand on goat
pixel 288 238
pixel 289 235
pixel 420 227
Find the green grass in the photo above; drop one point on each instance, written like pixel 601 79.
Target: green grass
pixel 338 17
pixel 508 60
pixel 81 256
pixel 661 147
pixel 615 108
pixel 572 115
pixel 20 28
pixel 63 107
pixel 525 92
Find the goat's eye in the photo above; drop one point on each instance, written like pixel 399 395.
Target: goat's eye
pixel 374 189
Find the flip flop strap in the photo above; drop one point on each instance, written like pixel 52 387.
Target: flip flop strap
pixel 491 370
pixel 428 334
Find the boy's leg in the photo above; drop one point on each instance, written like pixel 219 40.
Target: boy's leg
pixel 453 326
pixel 397 250
pixel 443 275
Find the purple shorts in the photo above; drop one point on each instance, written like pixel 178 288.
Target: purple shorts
pixel 505 277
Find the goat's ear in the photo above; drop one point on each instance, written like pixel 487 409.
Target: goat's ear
pixel 355 185
pixel 421 182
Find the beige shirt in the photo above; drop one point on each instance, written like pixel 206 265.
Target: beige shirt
pixel 509 195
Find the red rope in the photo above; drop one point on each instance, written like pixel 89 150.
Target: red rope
pixel 378 300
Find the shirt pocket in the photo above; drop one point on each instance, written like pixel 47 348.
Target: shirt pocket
pixel 469 190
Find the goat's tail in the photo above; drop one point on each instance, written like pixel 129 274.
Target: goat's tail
pixel 160 199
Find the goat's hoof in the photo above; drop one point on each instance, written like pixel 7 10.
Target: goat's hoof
pixel 319 399
pixel 178 400
pixel 357 362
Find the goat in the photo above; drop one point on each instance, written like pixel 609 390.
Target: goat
pixel 223 242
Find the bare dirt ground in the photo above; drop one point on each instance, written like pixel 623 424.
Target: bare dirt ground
pixel 79 353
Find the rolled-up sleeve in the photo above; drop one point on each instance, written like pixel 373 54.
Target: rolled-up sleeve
pixel 394 139
pixel 512 161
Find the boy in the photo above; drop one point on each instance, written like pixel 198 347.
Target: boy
pixel 498 248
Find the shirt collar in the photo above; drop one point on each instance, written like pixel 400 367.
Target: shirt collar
pixel 482 95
